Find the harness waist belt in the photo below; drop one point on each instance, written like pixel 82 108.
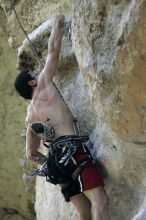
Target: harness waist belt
pixel 69 138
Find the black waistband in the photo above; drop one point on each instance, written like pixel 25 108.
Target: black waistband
pixel 70 138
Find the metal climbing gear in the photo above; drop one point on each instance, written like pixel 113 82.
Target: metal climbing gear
pixel 44 130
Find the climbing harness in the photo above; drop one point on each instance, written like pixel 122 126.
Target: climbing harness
pixel 61 167
pixel 76 126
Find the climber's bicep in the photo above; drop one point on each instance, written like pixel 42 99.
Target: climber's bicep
pixel 51 66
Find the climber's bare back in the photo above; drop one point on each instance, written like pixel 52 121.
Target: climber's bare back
pixel 47 104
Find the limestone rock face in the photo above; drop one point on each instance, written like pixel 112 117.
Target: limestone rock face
pixel 102 78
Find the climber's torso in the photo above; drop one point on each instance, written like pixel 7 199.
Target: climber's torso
pixel 47 104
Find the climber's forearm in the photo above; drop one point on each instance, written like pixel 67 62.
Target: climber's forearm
pixel 38 158
pixel 54 42
pixel 54 46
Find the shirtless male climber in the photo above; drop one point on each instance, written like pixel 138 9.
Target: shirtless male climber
pixel 87 191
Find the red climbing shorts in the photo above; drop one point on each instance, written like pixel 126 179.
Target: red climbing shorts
pixel 89 177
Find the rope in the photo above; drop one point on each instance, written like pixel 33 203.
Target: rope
pixel 31 45
pixel 40 63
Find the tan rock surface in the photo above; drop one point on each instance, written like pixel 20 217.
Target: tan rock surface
pixel 102 78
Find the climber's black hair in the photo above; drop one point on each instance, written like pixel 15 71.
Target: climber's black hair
pixel 22 86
